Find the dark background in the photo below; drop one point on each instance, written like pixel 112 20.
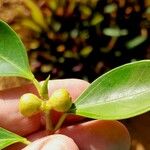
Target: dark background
pixel 80 39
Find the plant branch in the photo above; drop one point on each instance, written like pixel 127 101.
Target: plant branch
pixel 26 142
pixel 60 121
pixel 47 113
pixel 38 86
pixel 49 125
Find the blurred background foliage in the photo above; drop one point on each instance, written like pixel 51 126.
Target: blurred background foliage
pixel 80 38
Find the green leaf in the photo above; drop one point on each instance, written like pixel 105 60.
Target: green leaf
pixel 13 56
pixel 85 10
pixel 147 10
pixel 36 13
pixel 44 88
pixel 136 41
pixel 31 25
pixel 121 93
pixel 115 32
pixel 86 51
pixel 97 18
pixel 110 8
pixel 53 4
pixel 7 138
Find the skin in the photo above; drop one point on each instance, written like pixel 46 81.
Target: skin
pixel 77 133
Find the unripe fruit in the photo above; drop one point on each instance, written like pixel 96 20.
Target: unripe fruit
pixel 60 100
pixel 29 104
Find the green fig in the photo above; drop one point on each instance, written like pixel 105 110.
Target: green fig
pixel 60 100
pixel 29 104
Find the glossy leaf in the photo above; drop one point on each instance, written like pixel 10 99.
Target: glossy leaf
pixel 13 56
pixel 120 93
pixel 7 138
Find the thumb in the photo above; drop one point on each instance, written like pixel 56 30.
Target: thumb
pixel 53 142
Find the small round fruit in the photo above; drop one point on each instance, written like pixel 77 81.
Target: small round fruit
pixel 60 100
pixel 29 104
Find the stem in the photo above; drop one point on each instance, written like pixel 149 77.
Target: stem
pixel 48 120
pixel 38 86
pixel 60 121
pixel 26 142
pixel 47 113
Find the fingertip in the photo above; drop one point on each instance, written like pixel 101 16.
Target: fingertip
pixel 25 126
pixel 74 86
pixel 97 134
pixel 54 142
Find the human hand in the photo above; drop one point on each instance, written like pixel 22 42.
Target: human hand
pixel 86 135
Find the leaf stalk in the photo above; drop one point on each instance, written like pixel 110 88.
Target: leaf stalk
pixel 60 121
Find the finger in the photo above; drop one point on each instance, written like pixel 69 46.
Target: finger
pixel 33 137
pixel 11 119
pixel 103 135
pixel 54 142
pixel 75 88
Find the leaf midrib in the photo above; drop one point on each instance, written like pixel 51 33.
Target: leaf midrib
pixel 78 102
pixel 111 100
pixel 10 139
pixel 97 116
pixel 13 64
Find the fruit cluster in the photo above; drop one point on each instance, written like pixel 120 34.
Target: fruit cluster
pixel 30 104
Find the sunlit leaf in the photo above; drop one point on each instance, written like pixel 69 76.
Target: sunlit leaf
pixel 74 33
pixel 85 10
pixel 36 13
pixel 110 8
pixel 56 26
pixel 121 93
pixel 135 42
pixel 86 51
pixel 8 138
pixel 97 18
pixel 31 25
pixel 68 54
pixel 53 4
pixel 115 32
pixel 13 56
pixel 148 10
